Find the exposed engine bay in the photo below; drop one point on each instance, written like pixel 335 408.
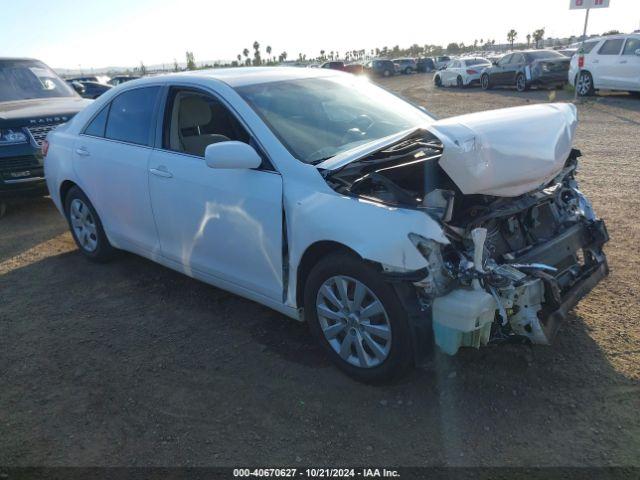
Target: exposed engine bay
pixel 515 265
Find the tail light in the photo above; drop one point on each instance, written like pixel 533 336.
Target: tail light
pixel 45 148
pixel 471 72
pixel 581 61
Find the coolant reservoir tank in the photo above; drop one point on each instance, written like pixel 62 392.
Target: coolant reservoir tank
pixel 463 318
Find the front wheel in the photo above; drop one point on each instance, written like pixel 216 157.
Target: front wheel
pixel 408 70
pixel 357 317
pixel 86 227
pixel 584 84
pixel 521 83
pixel 484 82
pixel 386 73
pixel 438 81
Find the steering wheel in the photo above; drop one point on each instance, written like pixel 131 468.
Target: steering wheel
pixel 361 125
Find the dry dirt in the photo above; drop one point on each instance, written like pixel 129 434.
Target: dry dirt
pixel 129 363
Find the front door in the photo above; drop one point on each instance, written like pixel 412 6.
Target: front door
pixel 226 223
pixel 629 65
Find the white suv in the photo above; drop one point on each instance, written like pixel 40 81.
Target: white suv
pixel 611 63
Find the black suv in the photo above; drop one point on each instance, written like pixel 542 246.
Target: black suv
pixel 33 101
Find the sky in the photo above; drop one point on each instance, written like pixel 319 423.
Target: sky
pixel 91 33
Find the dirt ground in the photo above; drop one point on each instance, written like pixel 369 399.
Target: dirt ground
pixel 129 363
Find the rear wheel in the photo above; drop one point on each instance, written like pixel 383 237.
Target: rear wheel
pixel 521 83
pixel 484 82
pixel 357 317
pixel 386 73
pixel 86 227
pixel 584 84
pixel 438 81
pixel 459 82
pixel 408 70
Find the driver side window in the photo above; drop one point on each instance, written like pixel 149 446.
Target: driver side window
pixel 505 60
pixel 193 120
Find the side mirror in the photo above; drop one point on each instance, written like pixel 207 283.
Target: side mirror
pixel 231 154
pixel 78 87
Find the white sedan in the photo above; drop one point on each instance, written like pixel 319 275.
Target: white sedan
pixel 461 72
pixel 335 202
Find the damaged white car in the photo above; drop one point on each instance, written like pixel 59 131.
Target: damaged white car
pixel 333 201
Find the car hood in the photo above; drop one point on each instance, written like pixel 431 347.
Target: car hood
pixel 36 109
pixel 506 152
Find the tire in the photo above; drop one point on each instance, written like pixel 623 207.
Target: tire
pixel 459 82
pixel 521 83
pixel 386 73
pixel 485 82
pixel 86 227
pixel 348 330
pixel 437 81
pixel 408 71
pixel 584 84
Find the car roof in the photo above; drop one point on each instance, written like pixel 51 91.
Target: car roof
pixel 242 76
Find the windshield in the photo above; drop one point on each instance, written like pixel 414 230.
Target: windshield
pixel 317 118
pixel 26 79
pixel 544 54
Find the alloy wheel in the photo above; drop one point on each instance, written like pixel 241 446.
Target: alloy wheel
pixel 353 321
pixel 84 225
pixel 485 82
pixel 521 83
pixel 584 84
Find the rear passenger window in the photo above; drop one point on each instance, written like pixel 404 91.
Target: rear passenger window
pixel 131 116
pixel 631 46
pixel 98 124
pixel 611 47
pixel 588 46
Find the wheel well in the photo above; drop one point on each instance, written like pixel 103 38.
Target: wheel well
pixel 310 258
pixel 64 189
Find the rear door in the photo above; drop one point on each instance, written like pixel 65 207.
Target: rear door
pixel 606 64
pixel 111 157
pixel 629 65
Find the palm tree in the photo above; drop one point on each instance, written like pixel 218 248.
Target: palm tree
pixel 511 36
pixel 245 52
pixel 239 58
pixel 528 39
pixel 256 54
pixel 538 35
pixel 321 54
pixel 268 52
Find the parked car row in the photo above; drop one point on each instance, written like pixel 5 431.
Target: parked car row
pixel 611 63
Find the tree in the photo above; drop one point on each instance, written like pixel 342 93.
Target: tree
pixel 268 50
pixel 256 54
pixel 511 36
pixel 538 35
pixel 239 57
pixel 176 68
pixel 611 32
pixel 453 48
pixel 528 39
pixel 245 52
pixel 143 69
pixel 321 54
pixel 191 61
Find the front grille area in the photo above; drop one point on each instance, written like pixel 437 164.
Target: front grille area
pixel 13 164
pixel 39 132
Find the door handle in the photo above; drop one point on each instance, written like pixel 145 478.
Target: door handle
pixel 623 61
pixel 596 61
pixel 83 152
pixel 161 172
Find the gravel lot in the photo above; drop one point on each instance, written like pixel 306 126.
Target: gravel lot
pixel 130 363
